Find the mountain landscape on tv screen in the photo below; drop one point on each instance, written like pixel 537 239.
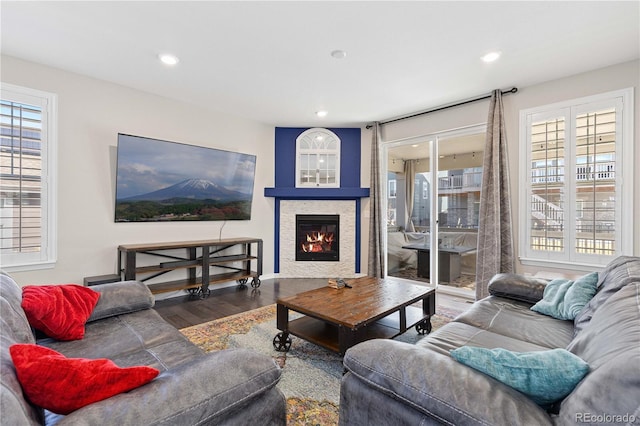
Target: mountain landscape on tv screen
pixel 196 189
pixel 191 199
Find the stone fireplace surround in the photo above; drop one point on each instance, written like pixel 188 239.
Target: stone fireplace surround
pixel 345 267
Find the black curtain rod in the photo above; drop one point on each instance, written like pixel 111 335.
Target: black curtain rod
pixel 440 108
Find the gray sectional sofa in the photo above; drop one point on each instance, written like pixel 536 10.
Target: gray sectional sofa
pixel 390 382
pixel 231 387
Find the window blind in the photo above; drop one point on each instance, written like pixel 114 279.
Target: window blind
pixel 20 177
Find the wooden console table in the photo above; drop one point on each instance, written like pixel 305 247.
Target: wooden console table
pixel 202 254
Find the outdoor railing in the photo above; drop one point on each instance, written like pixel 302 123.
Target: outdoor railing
pixel 466 180
pixel 584 173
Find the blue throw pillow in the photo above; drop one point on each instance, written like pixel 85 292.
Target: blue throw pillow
pixel 564 299
pixel 544 376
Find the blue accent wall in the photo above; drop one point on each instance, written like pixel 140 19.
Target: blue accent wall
pixel 285 145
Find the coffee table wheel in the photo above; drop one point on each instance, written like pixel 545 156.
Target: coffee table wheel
pixel 424 327
pixel 242 282
pixel 255 283
pixel 282 342
pixel 204 292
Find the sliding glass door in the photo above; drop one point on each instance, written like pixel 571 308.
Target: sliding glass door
pixel 433 196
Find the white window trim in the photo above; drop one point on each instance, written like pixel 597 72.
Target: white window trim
pixel 624 183
pixel 338 159
pixel 48 255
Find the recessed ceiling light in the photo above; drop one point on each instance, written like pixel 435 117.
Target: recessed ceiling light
pixel 491 56
pixel 321 113
pixel 339 54
pixel 168 59
pixel 415 145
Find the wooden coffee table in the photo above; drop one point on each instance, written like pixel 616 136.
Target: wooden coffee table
pixel 340 318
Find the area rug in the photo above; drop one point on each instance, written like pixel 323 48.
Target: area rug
pixel 310 374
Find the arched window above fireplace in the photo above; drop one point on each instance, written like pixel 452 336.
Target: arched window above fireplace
pixel 318 159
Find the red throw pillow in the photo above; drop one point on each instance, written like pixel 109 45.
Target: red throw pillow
pixel 60 311
pixel 62 385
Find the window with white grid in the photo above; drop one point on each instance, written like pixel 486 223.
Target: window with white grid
pixel 318 159
pixel 578 154
pixel 27 172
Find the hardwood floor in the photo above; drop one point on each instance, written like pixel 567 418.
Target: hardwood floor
pixel 185 311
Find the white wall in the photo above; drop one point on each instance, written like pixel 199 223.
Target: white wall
pixel 607 79
pixel 91 113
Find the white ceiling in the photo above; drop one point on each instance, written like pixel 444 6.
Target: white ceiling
pixel 270 61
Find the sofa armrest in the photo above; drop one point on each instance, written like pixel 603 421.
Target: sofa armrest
pixel 204 391
pixel 438 386
pixel 121 297
pixel 517 287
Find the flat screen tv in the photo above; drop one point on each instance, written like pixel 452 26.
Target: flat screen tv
pixel 158 181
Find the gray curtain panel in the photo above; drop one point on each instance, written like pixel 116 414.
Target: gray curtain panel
pixel 409 185
pixel 495 238
pixel 376 258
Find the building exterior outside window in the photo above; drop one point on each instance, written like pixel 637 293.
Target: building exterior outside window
pixel 458 198
pixel 27 178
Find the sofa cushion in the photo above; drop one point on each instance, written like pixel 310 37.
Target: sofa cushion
pixel 610 343
pixel 564 299
pixel 457 334
pixel 121 297
pixel 14 328
pixel 618 273
pixel 214 389
pixel 14 325
pixel 517 287
pixel 510 318
pixel 60 311
pixel 63 385
pixel 544 376
pixel 138 338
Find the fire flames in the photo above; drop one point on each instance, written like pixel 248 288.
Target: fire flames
pixel 318 242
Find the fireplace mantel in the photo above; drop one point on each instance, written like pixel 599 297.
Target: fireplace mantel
pixel 317 193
